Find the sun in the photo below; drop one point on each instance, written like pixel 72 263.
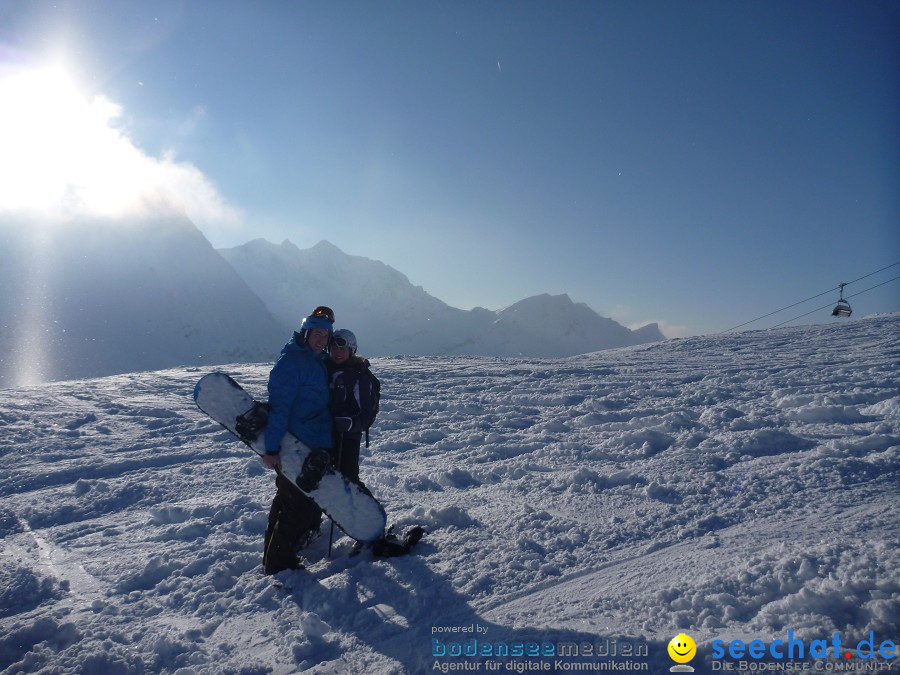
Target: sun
pixel 60 150
pixel 66 155
pixel 66 161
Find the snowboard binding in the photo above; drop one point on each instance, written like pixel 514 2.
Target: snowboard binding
pixel 249 425
pixel 314 468
pixel 389 545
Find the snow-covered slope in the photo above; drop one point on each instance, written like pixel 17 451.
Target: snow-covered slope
pixel 391 316
pixel 731 487
pixel 101 297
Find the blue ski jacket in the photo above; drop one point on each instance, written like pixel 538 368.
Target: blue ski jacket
pixel 298 398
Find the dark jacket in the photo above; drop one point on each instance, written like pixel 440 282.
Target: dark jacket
pixel 298 398
pixel 352 393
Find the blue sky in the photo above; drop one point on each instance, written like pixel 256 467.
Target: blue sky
pixel 693 163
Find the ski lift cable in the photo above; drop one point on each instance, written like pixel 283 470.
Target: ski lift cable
pixel 829 304
pixel 871 274
pixel 830 290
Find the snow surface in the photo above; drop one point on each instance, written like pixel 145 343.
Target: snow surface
pixel 730 487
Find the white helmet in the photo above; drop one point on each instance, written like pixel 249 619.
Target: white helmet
pixel 344 338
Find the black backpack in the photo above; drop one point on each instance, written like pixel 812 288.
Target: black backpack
pixel 376 398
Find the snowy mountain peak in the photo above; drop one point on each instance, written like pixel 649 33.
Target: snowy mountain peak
pixel 650 333
pixel 540 303
pixel 325 247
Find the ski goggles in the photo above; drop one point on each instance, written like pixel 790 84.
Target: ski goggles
pixel 324 312
pixel 339 342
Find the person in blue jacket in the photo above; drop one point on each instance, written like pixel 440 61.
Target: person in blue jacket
pixel 298 403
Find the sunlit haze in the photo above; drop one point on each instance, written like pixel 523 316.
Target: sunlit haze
pixel 696 164
pixel 64 156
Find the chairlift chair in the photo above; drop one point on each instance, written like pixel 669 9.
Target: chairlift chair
pixel 842 308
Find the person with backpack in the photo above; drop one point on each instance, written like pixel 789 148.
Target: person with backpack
pixel 298 403
pixel 355 394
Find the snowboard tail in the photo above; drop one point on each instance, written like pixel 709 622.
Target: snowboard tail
pixel 356 512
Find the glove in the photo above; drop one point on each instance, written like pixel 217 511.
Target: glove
pixel 272 460
pixel 343 424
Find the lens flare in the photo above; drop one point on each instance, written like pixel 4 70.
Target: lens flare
pixel 65 157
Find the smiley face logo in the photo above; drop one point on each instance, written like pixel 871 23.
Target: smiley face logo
pixel 682 648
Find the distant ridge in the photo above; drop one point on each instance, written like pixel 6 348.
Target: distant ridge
pixel 392 316
pixel 99 297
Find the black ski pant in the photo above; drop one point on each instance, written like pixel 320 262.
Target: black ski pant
pixel 292 517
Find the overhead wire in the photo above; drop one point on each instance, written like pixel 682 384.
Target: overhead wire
pixel 830 290
pixel 829 304
pixel 871 274
pixel 747 323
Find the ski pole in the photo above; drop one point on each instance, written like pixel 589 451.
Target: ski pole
pixel 340 452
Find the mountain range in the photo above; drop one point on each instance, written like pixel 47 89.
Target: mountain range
pixel 392 316
pixel 92 297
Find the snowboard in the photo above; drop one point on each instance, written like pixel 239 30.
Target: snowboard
pixel 357 513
